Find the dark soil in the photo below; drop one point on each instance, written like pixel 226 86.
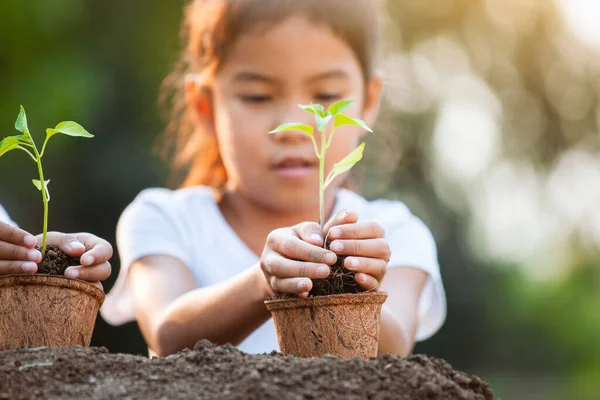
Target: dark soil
pixel 55 261
pixel 339 281
pixel 223 372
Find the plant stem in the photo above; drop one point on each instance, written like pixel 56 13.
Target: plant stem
pixel 322 190
pixel 44 199
pixel 322 179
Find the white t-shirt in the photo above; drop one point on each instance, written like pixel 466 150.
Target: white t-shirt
pixel 4 216
pixel 188 224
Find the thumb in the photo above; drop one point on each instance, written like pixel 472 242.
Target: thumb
pixel 310 232
pixel 65 242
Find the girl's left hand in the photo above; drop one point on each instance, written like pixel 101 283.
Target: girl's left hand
pixel 364 245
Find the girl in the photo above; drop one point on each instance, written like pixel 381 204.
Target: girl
pixel 198 262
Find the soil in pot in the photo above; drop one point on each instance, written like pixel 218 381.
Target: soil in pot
pixel 340 280
pixel 55 261
pixel 223 372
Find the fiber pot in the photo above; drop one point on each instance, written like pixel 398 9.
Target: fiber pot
pixel 44 310
pixel 344 325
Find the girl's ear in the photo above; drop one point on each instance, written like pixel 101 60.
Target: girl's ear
pixel 372 99
pixel 199 100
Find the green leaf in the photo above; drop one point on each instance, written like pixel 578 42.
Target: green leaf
pixel 37 184
pixel 21 124
pixel 8 144
pixel 314 109
pixel 346 164
pixel 342 119
pixel 69 128
pixel 293 126
pixel 323 121
pixel 339 106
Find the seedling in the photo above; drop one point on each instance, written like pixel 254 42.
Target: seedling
pixel 322 118
pixel 25 142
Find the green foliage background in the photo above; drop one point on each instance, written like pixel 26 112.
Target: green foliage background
pixel 100 63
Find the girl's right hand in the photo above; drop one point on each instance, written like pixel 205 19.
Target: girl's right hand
pixel 294 255
pixel 17 253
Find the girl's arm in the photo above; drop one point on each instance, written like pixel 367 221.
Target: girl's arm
pixel 173 314
pixel 399 314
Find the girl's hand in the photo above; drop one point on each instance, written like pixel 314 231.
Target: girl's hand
pixel 17 253
pixel 294 255
pixel 364 245
pixel 93 251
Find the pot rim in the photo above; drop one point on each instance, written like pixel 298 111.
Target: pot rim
pixel 274 304
pixel 52 280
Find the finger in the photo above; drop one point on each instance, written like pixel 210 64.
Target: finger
pixel 281 267
pixel 375 267
pixel 96 273
pixel 291 285
pixel 367 282
pixel 341 218
pixel 14 235
pixel 10 251
pixel 359 230
pixel 65 242
pixel 98 285
pixel 310 232
pixel 295 248
pixel 99 250
pixel 373 248
pixel 17 267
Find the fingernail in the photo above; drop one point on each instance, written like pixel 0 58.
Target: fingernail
pixel 302 286
pixel 336 246
pixel 87 260
pixel 352 262
pixel 335 233
pixel 76 246
pixel 329 258
pixel 34 255
pixel 323 271
pixel 30 241
pixel 316 238
pixel 72 273
pixel 29 266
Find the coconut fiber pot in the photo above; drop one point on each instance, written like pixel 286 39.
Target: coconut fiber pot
pixel 344 325
pixel 44 310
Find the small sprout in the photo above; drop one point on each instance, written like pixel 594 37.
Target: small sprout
pixel 323 118
pixel 25 142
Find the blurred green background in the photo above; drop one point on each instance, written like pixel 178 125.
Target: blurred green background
pixel 489 132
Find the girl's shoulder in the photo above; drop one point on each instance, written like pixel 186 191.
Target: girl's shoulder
pixel 399 223
pixel 196 197
pixel 390 212
pixel 166 206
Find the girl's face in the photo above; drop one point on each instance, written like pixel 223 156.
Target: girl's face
pixel 266 75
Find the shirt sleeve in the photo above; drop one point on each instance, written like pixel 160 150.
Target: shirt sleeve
pixel 413 245
pixel 150 225
pixel 4 217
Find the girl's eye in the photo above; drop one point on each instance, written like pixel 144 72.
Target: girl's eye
pixel 327 97
pixel 256 98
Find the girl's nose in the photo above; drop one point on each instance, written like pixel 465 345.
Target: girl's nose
pixel 293 113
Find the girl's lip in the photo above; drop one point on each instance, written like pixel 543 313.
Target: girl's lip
pixel 294 172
